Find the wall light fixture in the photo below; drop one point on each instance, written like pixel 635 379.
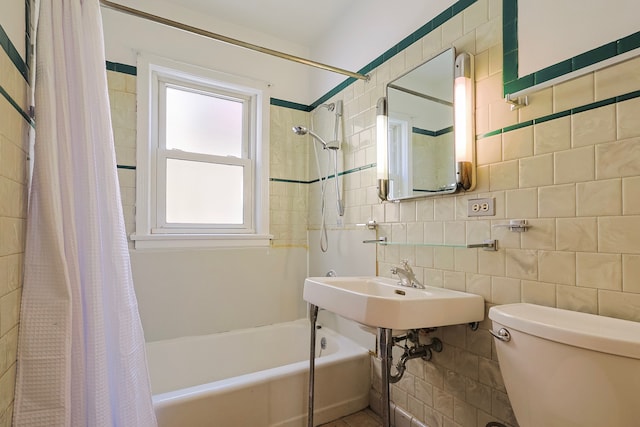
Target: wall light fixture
pixel 464 132
pixel 382 165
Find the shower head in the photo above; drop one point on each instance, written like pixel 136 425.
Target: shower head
pixel 301 130
pixel 336 107
pixel 329 107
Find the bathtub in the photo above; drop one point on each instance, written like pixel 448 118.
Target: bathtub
pixel 256 377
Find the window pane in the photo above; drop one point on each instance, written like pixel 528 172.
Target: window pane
pixel 204 193
pixel 202 123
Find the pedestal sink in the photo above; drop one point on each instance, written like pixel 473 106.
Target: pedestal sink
pixel 382 303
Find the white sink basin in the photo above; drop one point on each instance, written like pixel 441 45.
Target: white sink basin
pixel 382 303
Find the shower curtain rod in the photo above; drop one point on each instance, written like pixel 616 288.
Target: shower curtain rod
pixel 160 20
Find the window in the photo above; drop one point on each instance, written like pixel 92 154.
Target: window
pixel 201 172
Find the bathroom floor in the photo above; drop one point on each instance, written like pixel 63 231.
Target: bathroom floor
pixel 364 418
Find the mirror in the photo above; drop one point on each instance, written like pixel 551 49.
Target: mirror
pixel 420 118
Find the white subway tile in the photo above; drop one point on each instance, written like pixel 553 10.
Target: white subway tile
pixel 522 204
pixel 505 290
pixel 574 93
pixel 596 270
pixel 522 264
pixel 539 293
pixel 627 114
pixel 577 299
pixel 518 143
pixel 619 234
pixel 594 126
pixel 536 171
pixel 618 159
pixel 577 234
pixel 622 305
pixel 557 267
pixel 574 165
pixel 552 135
pixel 557 201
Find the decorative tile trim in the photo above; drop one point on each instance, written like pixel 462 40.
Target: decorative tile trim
pixel 13 54
pixel 127 167
pixel 572 111
pixel 313 181
pixel 288 104
pixel 17 107
pixel 122 68
pixel 428 132
pixel 512 83
pixel 436 22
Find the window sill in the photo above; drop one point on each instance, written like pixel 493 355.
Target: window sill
pixel 160 241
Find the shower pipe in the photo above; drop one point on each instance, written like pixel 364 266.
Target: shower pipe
pixel 168 22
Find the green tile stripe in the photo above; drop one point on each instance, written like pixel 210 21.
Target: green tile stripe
pixel 313 181
pixel 127 167
pixel 17 107
pixel 443 17
pixel 122 68
pixel 425 132
pixel 428 132
pixel 13 54
pixel 512 83
pixel 288 104
pixel 570 112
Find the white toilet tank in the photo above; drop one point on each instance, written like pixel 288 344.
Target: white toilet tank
pixel 568 369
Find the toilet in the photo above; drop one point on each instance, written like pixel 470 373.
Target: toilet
pixel 568 369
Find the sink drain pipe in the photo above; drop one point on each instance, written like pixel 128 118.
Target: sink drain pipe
pixel 423 351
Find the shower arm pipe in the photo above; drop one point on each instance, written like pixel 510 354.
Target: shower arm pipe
pixel 184 27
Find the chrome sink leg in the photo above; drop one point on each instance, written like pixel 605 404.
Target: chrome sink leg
pixel 313 317
pixel 386 344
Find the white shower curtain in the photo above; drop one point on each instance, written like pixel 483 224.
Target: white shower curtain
pixel 81 356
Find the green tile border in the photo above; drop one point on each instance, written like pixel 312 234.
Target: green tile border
pixel 288 104
pixel 14 55
pixel 122 68
pixel 17 107
pixel 313 181
pixel 565 113
pixel 512 83
pixel 428 132
pixel 127 167
pixel 436 22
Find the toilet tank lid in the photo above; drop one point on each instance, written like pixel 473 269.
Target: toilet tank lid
pixel 590 331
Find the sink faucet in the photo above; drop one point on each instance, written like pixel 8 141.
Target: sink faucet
pixel 407 276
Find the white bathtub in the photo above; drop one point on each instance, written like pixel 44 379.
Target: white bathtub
pixel 256 377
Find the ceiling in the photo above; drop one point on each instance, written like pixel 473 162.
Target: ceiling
pixel 299 21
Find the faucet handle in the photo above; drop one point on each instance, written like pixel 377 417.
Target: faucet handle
pixel 405 265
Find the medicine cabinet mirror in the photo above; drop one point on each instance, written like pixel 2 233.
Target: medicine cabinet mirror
pixel 421 153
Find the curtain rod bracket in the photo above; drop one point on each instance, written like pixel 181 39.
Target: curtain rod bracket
pixel 194 30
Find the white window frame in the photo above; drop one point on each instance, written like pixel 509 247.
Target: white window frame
pixel 152 231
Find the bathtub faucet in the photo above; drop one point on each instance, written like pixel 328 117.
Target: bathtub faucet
pixel 407 276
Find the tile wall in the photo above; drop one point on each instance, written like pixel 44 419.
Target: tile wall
pixel 569 163
pixel 122 98
pixel 13 211
pixel 290 177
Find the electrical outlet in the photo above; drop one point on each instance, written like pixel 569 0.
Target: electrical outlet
pixel 481 207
